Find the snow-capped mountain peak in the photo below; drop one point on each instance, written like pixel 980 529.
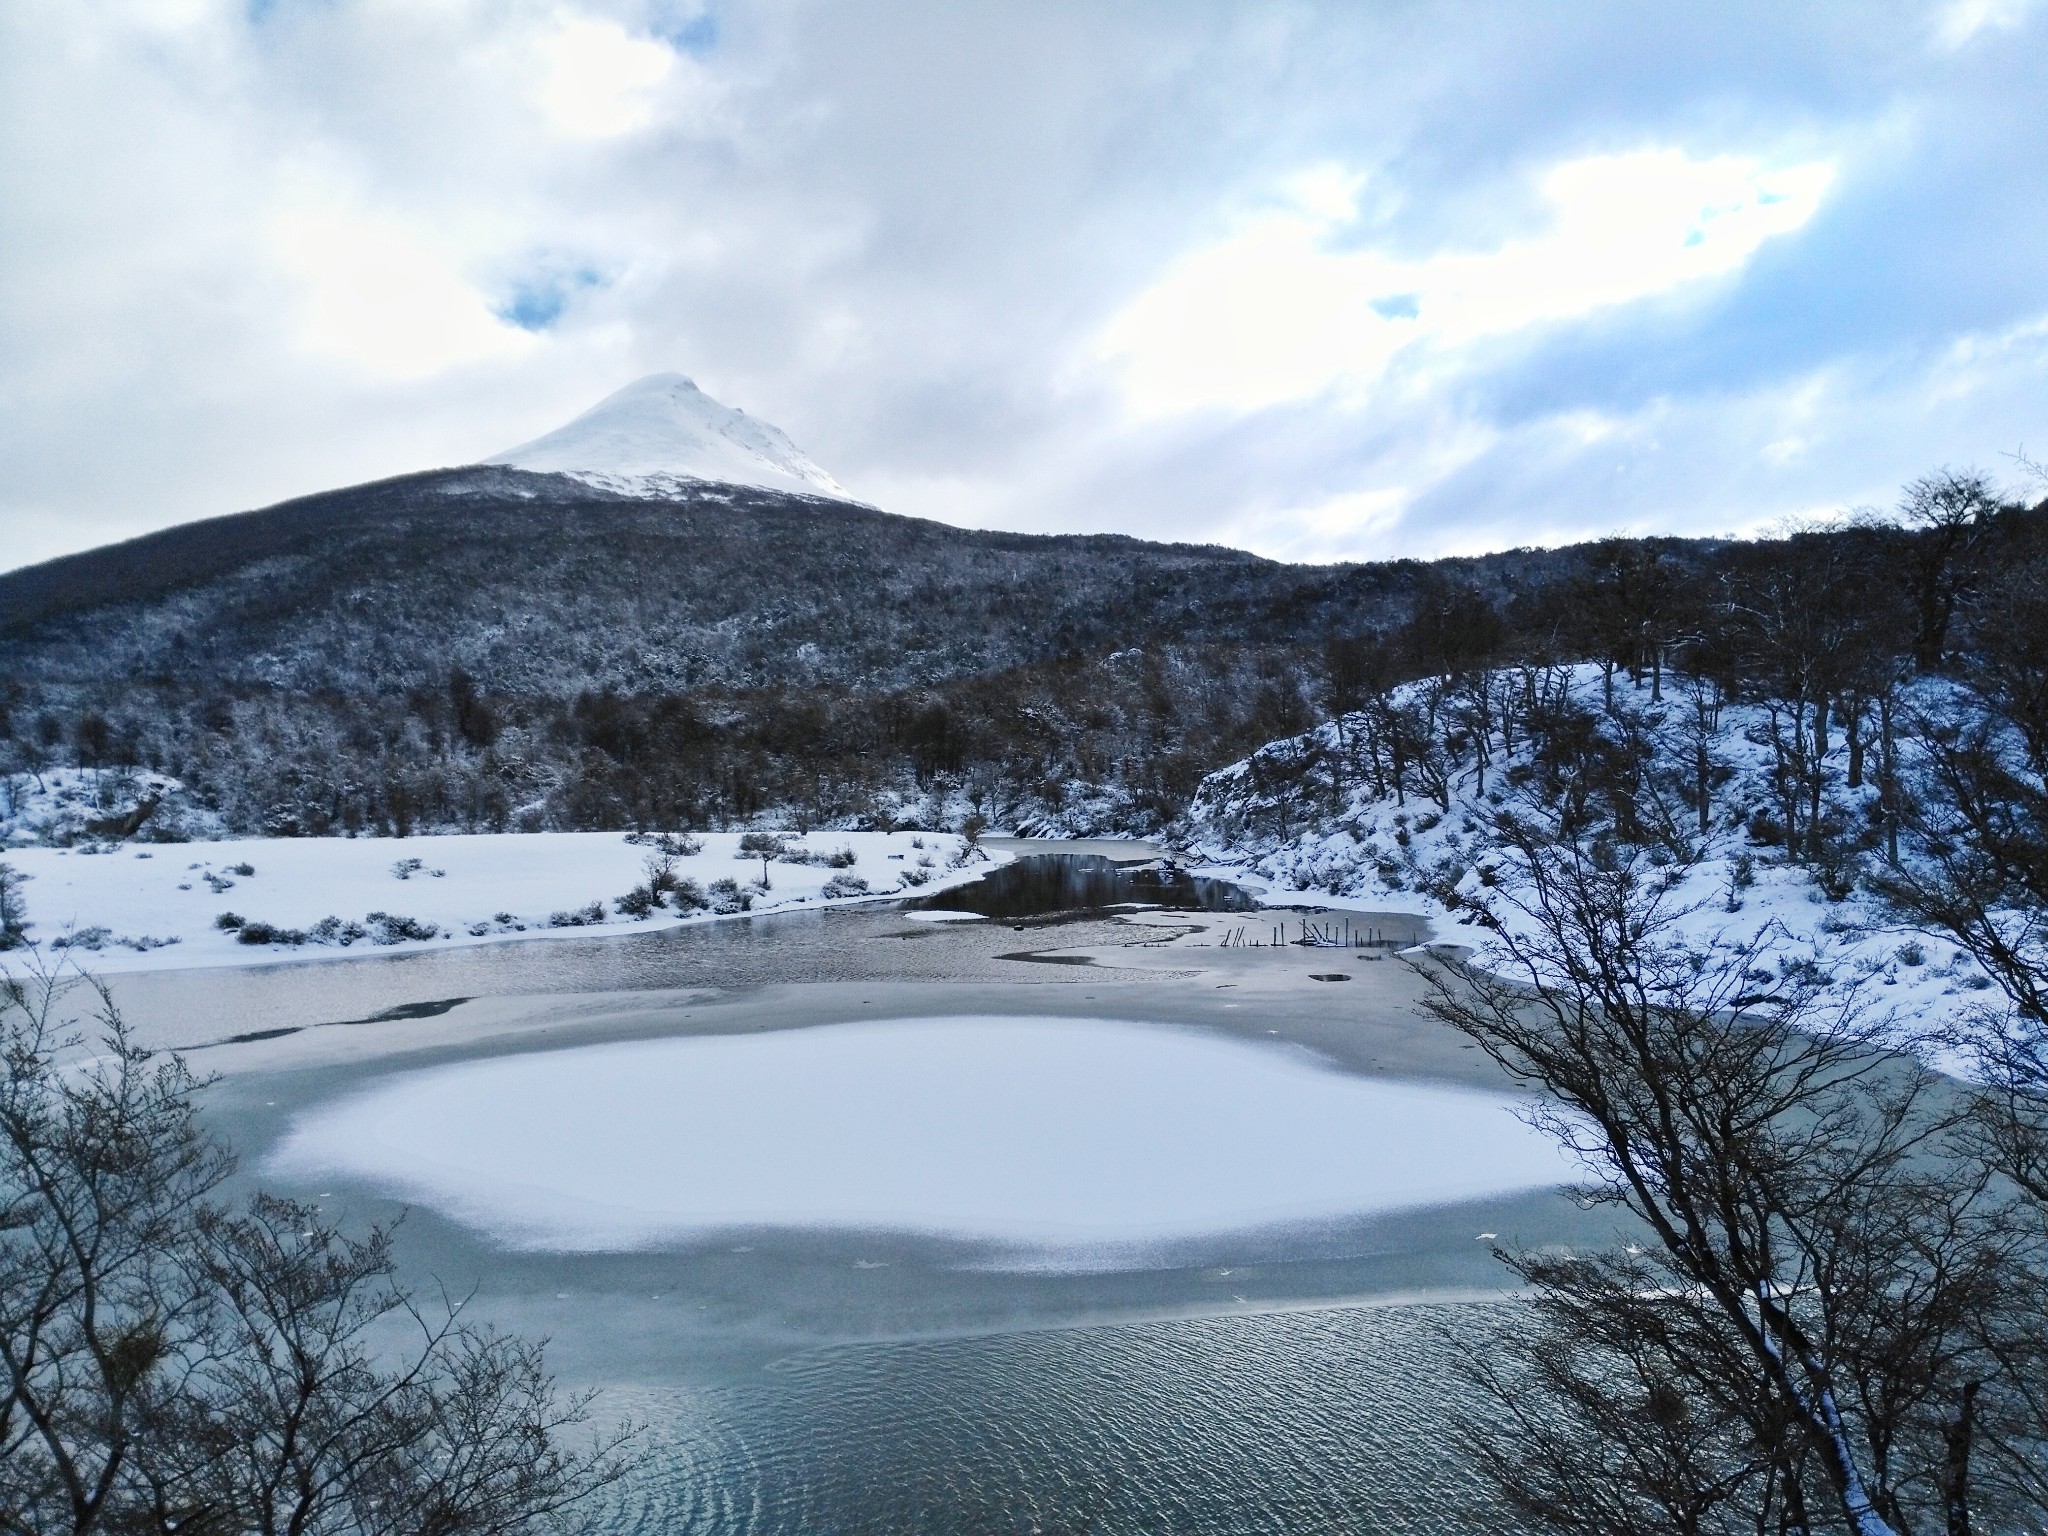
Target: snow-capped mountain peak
pixel 663 431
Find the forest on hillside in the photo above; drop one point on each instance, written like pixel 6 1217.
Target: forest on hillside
pixel 469 659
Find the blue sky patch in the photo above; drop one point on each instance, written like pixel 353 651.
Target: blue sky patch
pixel 537 303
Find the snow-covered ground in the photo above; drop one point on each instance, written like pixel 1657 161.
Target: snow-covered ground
pixel 1073 1142
pixel 1344 845
pixel 126 906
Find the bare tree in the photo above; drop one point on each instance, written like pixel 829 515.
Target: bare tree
pixel 1949 513
pixel 1804 1333
pixel 101 1174
pixel 178 1366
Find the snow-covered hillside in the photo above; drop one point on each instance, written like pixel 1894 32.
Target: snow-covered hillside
pixel 56 806
pixel 128 907
pixel 1306 814
pixel 663 432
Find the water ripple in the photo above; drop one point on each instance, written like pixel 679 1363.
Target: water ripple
pixel 1289 1422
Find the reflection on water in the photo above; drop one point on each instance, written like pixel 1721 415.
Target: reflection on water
pixel 1066 882
pixel 1285 1422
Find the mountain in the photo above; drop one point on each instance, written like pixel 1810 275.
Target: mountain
pixel 496 647
pixel 664 614
pixel 662 433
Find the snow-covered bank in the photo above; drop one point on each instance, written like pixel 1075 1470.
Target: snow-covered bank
pixel 1313 817
pixel 1076 1143
pixel 127 907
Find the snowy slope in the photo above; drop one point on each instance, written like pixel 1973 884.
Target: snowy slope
pixel 1294 815
pixel 662 432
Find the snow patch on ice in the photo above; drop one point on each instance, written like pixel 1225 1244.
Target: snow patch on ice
pixel 1078 1140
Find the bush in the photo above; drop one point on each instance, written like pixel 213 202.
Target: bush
pixel 578 917
pixel 390 928
pixel 641 902
pixel 688 896
pixel 1910 953
pixel 244 869
pixel 263 933
pixel 228 922
pixel 754 845
pixel 839 858
pixel 846 885
pixel 94 939
pixel 332 930
pixel 725 898
pixel 405 869
pixel 13 910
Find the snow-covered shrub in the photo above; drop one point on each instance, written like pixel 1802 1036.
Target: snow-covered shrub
pixel 228 922
pixel 405 869
pixel 759 845
pixel 263 933
pixel 390 928
pixel 916 875
pixel 578 917
pixel 725 897
pixel 838 858
pixel 244 869
pixel 13 910
pixel 332 930
pixel 846 885
pixel 94 939
pixel 688 896
pixel 641 902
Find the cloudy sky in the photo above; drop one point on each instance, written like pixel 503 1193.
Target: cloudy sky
pixel 1334 280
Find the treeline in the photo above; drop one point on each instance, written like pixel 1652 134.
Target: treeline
pixel 1111 743
pixel 1823 631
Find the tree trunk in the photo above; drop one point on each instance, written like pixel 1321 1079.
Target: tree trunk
pixel 1889 788
pixel 1955 1476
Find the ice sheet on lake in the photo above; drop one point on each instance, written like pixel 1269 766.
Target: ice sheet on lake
pixel 1035 1134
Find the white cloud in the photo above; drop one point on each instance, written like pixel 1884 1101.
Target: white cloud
pixel 1961 21
pixel 375 294
pixel 598 81
pixel 249 250
pixel 1284 309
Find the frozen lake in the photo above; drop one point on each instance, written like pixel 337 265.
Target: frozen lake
pixel 1061 1142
